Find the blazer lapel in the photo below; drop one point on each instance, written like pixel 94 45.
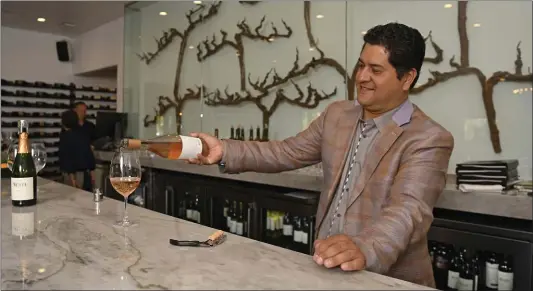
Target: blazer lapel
pixel 382 145
pixel 348 120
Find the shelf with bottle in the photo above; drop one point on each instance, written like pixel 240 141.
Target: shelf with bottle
pixel 56 86
pixel 457 268
pixel 41 124
pixel 239 133
pixel 288 231
pixel 41 114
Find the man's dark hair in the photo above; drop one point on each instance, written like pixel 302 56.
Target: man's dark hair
pixel 405 45
pixel 69 119
pixel 79 103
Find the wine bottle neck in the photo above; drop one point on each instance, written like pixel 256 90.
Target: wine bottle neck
pixel 23 143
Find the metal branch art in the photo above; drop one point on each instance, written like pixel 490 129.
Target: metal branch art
pixel 209 48
pixel 195 17
pixel 487 84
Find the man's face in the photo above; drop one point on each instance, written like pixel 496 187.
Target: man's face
pixel 81 110
pixel 376 81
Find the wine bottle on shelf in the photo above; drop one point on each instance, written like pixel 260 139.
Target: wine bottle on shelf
pixel 216 132
pixel 304 239
pixel 453 272
pixel 265 133
pixel 287 231
pixel 491 272
pixel 441 265
pixel 258 134
pixel 476 271
pixel 226 208
pixel 238 133
pixel 172 147
pixel 233 225
pixel 242 133
pixel 240 221
pixel 251 133
pixel 229 217
pixel 232 133
pixel 466 280
pixel 23 173
pixel 506 274
pixel 268 227
pixel 297 233
pixel 190 208
pixel 196 210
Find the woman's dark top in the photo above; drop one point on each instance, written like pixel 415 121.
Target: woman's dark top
pixel 75 154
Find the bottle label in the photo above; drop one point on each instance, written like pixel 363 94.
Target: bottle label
pixel 192 146
pixel 287 229
pixel 225 212
pixel 297 237
pixel 22 188
pixel 228 222
pixel 22 224
pixel 189 213
pixel 492 275
pixel 197 216
pixel 233 227
pixel 505 281
pixel 452 279
pixel 476 279
pixel 465 284
pixel 304 237
pixel 239 228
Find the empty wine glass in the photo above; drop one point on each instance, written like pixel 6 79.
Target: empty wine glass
pixel 38 153
pixel 11 154
pixel 125 177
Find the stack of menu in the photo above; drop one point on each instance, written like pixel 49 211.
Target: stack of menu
pixel 502 174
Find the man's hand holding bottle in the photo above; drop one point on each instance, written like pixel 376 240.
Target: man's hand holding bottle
pixel 215 146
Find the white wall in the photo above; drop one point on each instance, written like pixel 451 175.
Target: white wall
pixel 456 104
pixel 32 56
pixel 99 48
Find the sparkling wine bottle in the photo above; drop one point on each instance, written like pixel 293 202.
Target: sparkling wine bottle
pixel 174 147
pixel 23 173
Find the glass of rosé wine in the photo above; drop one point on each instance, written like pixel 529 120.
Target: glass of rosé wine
pixel 125 177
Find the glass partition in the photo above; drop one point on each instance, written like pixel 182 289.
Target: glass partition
pixel 206 65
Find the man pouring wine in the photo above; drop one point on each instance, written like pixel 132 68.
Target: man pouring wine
pixel 384 163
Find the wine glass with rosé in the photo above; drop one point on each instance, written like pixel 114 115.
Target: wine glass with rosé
pixel 125 177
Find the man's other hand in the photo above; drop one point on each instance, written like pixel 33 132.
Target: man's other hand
pixel 339 250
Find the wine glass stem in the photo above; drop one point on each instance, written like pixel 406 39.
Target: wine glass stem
pixel 125 219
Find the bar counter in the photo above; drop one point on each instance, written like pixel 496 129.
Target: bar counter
pixel 72 244
pixel 517 206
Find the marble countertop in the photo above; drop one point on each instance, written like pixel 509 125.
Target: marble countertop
pixel 73 245
pixel 511 205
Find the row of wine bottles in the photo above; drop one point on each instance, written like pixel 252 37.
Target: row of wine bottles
pixel 23 93
pixel 37 114
pixel 54 105
pixel 236 214
pixel 63 86
pixel 41 124
pixel 240 134
pixel 456 268
pixel 288 231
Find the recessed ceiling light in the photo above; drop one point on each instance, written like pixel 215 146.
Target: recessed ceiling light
pixel 477 24
pixel 311 49
pixel 448 5
pixel 191 47
pixel 40 19
pixel 320 16
pixel 363 32
pixel 197 2
pixel 162 13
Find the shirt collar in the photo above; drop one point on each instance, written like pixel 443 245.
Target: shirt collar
pixel 400 115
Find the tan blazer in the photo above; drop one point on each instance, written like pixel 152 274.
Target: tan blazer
pixel 390 208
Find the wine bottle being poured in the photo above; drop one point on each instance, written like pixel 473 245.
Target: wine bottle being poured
pixel 174 147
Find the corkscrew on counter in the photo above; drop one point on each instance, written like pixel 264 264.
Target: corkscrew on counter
pixel 213 240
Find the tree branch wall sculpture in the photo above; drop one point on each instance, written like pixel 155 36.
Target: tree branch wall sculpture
pixel 487 84
pixel 195 17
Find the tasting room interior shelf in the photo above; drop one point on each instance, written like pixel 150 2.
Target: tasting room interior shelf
pixel 42 104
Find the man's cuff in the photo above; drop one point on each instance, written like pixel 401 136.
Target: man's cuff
pixel 367 249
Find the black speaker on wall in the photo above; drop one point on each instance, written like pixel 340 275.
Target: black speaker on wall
pixel 62 51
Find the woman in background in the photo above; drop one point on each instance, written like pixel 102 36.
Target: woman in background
pixel 76 159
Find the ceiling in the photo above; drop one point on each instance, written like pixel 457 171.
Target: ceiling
pixel 83 15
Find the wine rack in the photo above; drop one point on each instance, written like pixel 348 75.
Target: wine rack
pixel 41 104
